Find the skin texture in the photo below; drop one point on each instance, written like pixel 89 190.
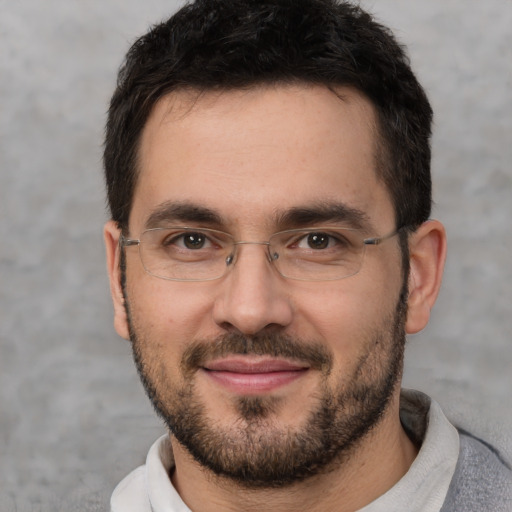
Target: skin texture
pixel 250 157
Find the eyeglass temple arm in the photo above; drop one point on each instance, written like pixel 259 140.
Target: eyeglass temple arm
pixel 379 239
pixel 126 242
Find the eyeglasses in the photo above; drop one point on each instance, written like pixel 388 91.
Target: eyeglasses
pixel 202 254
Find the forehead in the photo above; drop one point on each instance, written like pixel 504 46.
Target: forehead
pixel 246 155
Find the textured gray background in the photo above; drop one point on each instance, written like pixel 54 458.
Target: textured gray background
pixel 73 417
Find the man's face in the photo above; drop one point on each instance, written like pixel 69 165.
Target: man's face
pixel 262 378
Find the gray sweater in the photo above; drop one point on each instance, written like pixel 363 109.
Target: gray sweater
pixel 482 481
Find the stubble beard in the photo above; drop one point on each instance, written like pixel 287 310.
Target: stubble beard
pixel 255 451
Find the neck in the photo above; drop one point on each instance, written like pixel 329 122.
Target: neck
pixel 377 463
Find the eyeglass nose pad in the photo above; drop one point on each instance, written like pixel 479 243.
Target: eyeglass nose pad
pixel 230 259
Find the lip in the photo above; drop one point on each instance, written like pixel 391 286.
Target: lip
pixel 251 376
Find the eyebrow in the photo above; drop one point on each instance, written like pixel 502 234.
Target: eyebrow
pixel 332 212
pixel 185 212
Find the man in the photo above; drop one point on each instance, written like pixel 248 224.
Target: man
pixel 268 173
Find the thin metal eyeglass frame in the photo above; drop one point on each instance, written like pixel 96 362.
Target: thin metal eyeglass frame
pixel 128 242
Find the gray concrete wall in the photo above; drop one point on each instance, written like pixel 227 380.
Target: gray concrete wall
pixel 73 417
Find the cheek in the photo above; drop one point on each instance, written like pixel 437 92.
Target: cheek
pixel 168 314
pixel 346 316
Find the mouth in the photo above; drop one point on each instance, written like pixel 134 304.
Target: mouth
pixel 247 375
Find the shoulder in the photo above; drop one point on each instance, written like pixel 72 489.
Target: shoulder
pixel 131 494
pixel 482 480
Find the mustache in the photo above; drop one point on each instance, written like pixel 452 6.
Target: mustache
pixel 269 344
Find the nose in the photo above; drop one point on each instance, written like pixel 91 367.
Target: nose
pixel 252 296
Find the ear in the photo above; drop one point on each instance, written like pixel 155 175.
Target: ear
pixel 111 234
pixel 427 252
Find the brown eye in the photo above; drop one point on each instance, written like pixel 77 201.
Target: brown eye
pixel 318 240
pixel 194 240
pixel 190 240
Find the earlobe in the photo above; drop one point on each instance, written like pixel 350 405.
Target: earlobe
pixel 111 234
pixel 427 252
